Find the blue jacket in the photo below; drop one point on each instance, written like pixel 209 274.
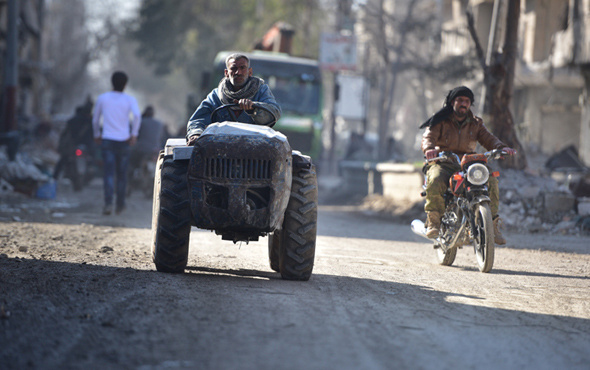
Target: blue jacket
pixel 202 116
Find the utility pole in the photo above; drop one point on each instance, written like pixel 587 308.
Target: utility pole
pixel 39 79
pixel 343 21
pixel 485 108
pixel 11 68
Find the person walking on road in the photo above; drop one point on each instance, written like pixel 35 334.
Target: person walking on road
pixel 115 124
pixel 146 149
pixel 149 140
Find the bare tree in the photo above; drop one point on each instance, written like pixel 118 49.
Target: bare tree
pixel 67 52
pixel 402 40
pixel 395 66
pixel 75 38
pixel 499 82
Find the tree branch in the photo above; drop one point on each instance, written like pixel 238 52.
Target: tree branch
pixel 478 48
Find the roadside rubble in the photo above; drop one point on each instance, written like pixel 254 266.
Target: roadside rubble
pixel 554 198
pixel 542 203
pixel 21 175
pixel 33 159
pixel 26 184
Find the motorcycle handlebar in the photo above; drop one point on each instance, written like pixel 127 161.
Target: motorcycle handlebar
pixel 445 156
pixel 497 154
pixel 450 156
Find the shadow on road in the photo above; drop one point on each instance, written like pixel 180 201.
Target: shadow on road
pixel 239 272
pixel 533 273
pixel 60 314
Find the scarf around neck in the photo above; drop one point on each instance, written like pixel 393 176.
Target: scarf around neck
pixel 250 88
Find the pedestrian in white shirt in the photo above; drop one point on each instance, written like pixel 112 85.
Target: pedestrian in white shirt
pixel 115 124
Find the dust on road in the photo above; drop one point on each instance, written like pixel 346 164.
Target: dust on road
pixel 79 290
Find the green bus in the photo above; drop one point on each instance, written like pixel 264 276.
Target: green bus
pixel 297 86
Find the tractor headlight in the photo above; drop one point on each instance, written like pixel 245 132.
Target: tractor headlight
pixel 478 174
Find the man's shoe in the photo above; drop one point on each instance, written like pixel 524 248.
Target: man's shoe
pixel 433 222
pixel 107 210
pixel 498 237
pixel 120 209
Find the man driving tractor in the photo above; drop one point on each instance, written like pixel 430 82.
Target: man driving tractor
pixel 237 87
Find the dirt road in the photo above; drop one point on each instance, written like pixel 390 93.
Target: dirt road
pixel 78 290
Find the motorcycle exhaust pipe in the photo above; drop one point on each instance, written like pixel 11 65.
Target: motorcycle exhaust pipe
pixel 419 229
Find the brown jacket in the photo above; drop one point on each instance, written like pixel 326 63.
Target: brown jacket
pixel 448 135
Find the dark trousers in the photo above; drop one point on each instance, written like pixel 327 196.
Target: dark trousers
pixel 437 182
pixel 115 155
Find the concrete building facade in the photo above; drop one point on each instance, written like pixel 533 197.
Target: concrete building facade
pixel 550 103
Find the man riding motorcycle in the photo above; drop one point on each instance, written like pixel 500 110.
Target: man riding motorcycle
pixel 455 128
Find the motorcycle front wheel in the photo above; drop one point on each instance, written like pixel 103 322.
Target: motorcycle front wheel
pixel 483 237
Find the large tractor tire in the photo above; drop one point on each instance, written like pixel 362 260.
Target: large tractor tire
pixel 273 250
pixel 171 215
pixel 297 238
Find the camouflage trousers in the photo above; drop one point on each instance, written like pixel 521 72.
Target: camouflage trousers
pixel 437 182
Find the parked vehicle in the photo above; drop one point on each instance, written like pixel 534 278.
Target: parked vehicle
pixel 467 217
pixel 242 181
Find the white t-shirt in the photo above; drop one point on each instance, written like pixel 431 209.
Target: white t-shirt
pixel 116 109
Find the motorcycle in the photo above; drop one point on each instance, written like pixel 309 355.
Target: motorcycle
pixel 467 217
pixel 80 165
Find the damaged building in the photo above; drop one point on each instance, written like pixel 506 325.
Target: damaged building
pixel 552 81
pixel 26 98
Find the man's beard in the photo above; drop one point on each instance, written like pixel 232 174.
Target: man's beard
pixel 460 114
pixel 238 85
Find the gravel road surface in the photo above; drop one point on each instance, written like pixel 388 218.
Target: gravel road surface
pixel 78 290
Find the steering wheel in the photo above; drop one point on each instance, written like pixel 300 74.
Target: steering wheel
pixel 232 113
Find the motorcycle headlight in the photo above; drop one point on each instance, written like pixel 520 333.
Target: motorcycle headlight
pixel 478 174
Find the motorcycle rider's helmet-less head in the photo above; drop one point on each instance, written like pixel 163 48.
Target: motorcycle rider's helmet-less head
pixel 459 91
pixel 447 108
pixel 460 99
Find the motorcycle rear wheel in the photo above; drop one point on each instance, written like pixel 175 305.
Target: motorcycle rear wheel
pixel 448 225
pixel 72 172
pixel 483 238
pixel 446 258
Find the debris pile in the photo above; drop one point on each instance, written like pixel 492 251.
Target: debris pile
pixel 552 199
pixel 27 160
pixel 21 175
pixel 541 203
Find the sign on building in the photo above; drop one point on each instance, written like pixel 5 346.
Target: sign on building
pixel 352 99
pixel 337 52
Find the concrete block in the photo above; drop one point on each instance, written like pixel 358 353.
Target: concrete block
pixel 528 191
pixel 584 206
pixel 403 185
pixel 558 203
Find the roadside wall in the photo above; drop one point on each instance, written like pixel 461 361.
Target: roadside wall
pixel 399 181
